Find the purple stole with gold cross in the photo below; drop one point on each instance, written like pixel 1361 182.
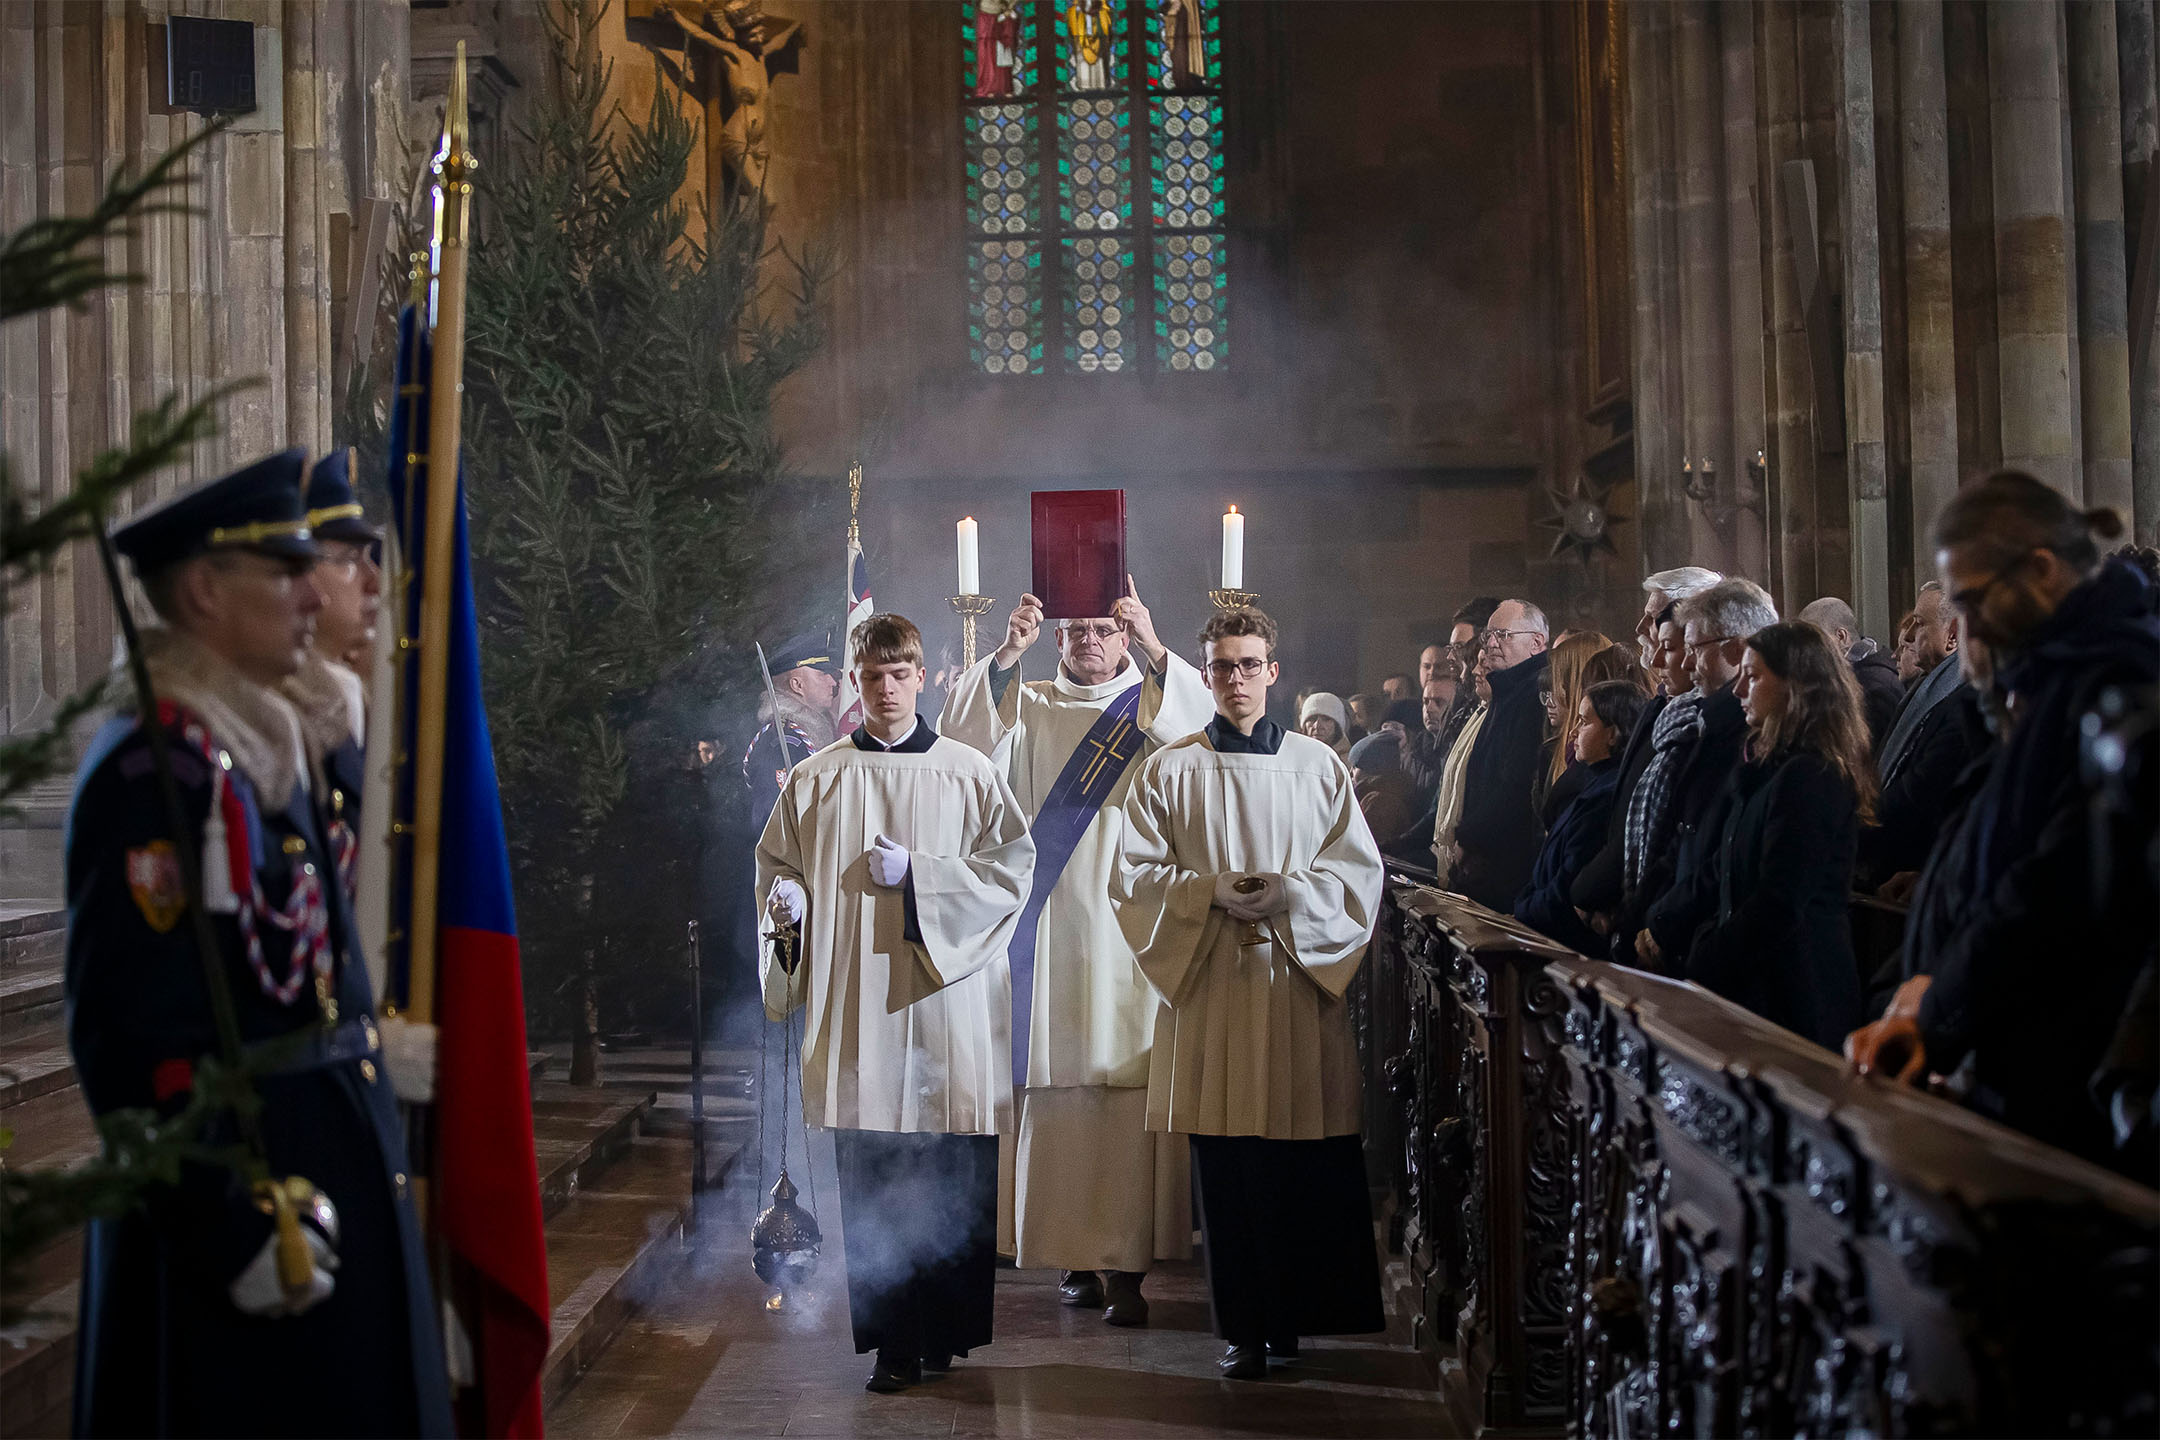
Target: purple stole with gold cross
pixel 1104 754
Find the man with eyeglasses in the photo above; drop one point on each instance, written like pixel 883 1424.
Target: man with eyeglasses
pixel 1496 840
pixel 1674 814
pixel 1248 887
pixel 1096 1196
pixel 190 1325
pixel 2034 912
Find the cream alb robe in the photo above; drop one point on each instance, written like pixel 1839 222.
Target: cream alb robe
pixel 901 1036
pixel 1088 1187
pixel 1094 1012
pixel 1256 1039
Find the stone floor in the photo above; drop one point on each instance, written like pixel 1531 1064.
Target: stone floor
pixel 705 1359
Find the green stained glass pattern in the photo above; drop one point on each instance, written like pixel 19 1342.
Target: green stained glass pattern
pixel 1091 45
pixel 1005 306
pixel 1094 165
pixel 1004 196
pixel 1100 310
pixel 997 48
pixel 1184 44
pixel 1186 180
pixel 1191 302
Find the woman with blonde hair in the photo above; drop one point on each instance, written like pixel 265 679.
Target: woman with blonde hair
pixel 1774 934
pixel 1563 700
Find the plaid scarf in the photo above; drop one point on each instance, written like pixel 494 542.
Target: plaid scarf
pixel 1679 730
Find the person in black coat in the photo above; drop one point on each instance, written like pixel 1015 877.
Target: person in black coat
pixel 1605 721
pixel 1498 834
pixel 1601 885
pixel 1937 733
pixel 1881 691
pixel 1776 937
pixel 2024 941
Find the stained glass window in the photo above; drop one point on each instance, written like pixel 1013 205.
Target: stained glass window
pixel 1095 186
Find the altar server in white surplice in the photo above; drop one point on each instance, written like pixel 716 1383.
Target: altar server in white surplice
pixel 901 860
pixel 1248 886
pixel 1096 1195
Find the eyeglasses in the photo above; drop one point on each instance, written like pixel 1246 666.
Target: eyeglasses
pixel 1093 632
pixel 1494 637
pixel 1972 597
pixel 1693 648
pixel 1224 669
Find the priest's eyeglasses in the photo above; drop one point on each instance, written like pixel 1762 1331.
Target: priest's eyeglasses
pixel 1224 669
pixel 1080 631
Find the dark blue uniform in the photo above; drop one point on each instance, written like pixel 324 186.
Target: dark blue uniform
pixel 764 768
pixel 162 1349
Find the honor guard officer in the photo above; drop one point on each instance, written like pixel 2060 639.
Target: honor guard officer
pixel 806 681
pixel 187 1327
pixel 328 689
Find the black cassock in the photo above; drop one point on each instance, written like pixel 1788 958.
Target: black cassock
pixel 919 1217
pixel 1287 1230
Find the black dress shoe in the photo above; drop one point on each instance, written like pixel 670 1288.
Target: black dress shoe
pixel 1283 1349
pixel 1244 1362
pixel 937 1364
pixel 1123 1304
pixel 893 1374
pixel 1081 1289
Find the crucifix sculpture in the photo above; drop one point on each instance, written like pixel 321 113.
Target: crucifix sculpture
pixel 735 45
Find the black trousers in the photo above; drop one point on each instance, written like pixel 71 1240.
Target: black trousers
pixel 1288 1234
pixel 919 1217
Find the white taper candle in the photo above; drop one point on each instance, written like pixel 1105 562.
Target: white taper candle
pixel 1233 550
pixel 970 559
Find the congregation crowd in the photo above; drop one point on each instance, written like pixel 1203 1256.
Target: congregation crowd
pixel 1708 799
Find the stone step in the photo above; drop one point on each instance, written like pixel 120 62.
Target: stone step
pixel 577 1134
pixel 34 1061
pixel 608 1251
pixel 30 994
pixel 32 932
pixel 37 1338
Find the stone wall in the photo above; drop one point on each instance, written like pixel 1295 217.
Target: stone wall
pixel 243 290
pixel 1892 246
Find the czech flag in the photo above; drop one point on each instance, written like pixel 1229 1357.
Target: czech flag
pixel 484 1201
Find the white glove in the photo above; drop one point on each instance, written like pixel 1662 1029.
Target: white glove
pixel 409 1054
pixel 787 901
pixel 1269 901
pixel 888 862
pixel 1251 904
pixel 258 1291
pixel 1225 897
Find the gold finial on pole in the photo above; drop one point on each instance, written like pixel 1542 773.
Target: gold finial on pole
pixel 452 167
pixel 854 503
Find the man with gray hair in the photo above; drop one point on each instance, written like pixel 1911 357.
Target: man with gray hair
pixel 1697 744
pixel 1880 689
pixel 1667 587
pixel 1497 837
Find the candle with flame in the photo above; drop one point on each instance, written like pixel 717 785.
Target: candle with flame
pixel 1233 550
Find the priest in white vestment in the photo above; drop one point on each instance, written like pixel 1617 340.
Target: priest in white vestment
pixel 897 862
pixel 1096 1195
pixel 1248 886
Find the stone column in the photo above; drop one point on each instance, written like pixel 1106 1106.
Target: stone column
pixel 1744 289
pixel 2140 130
pixel 1659 438
pixel 1865 459
pixel 309 402
pixel 1789 506
pixel 2103 272
pixel 1706 338
pixel 2031 256
pixel 1930 348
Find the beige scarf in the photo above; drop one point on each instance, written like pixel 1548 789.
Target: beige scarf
pixel 332 705
pixel 258 727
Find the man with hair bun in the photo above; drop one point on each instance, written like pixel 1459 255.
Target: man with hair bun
pixel 1248 888
pixel 894 867
pixel 2025 935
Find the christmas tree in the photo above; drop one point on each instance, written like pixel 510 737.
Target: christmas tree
pixel 630 511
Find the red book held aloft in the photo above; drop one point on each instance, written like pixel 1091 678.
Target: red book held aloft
pixel 1079 543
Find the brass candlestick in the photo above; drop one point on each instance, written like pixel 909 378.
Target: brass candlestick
pixel 1233 599
pixel 969 608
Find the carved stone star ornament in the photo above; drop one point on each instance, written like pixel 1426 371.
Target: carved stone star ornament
pixel 1582 519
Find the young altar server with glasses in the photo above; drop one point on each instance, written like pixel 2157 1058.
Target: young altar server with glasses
pixel 1248 886
pixel 894 866
pixel 1097 1194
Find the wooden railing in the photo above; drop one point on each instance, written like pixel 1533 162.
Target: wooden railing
pixel 1631 1208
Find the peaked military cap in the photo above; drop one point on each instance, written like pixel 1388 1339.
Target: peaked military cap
pixel 333 510
pixel 812 649
pixel 257 507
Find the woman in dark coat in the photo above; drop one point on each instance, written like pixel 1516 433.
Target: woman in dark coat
pixel 1779 940
pixel 1606 717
